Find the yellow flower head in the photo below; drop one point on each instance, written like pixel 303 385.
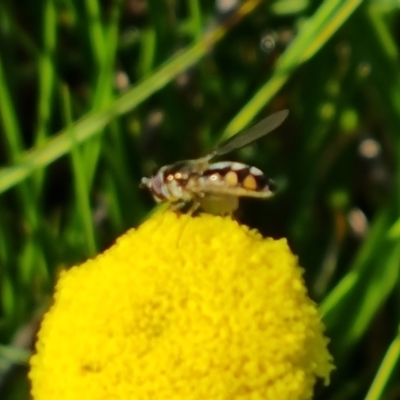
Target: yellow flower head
pixel 184 309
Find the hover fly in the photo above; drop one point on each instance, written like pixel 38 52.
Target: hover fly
pixel 215 187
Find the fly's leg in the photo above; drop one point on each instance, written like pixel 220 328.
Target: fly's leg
pixel 184 207
pixel 176 207
pixel 195 205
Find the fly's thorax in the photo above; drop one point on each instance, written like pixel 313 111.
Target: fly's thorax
pixel 227 174
pixel 175 178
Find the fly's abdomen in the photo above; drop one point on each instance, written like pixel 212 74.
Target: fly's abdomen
pixel 237 179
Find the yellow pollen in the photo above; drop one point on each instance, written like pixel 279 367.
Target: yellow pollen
pixel 231 178
pixel 250 182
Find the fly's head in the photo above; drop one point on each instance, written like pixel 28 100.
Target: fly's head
pixel 169 182
pixel 154 184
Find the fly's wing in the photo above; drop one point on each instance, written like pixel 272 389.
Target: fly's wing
pixel 251 134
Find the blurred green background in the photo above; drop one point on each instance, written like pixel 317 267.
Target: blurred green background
pixel 94 95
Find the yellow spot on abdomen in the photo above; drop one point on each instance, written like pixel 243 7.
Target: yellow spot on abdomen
pixel 231 178
pixel 249 182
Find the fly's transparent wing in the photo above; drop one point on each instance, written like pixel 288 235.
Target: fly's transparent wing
pixel 251 134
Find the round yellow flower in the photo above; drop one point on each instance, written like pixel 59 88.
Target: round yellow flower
pixel 182 308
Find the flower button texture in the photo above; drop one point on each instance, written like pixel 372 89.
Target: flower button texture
pixel 182 308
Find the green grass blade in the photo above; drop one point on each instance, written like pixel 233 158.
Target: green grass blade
pixel 386 370
pixel 13 141
pixel 81 185
pixel 375 271
pixel 196 18
pixel 147 54
pixel 46 70
pixel 11 129
pixel 95 31
pixel 92 123
pixel 316 32
pixel 105 42
pixel 350 280
pixel 46 79
pixel 14 355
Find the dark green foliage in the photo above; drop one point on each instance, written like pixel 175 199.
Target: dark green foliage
pixel 94 95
